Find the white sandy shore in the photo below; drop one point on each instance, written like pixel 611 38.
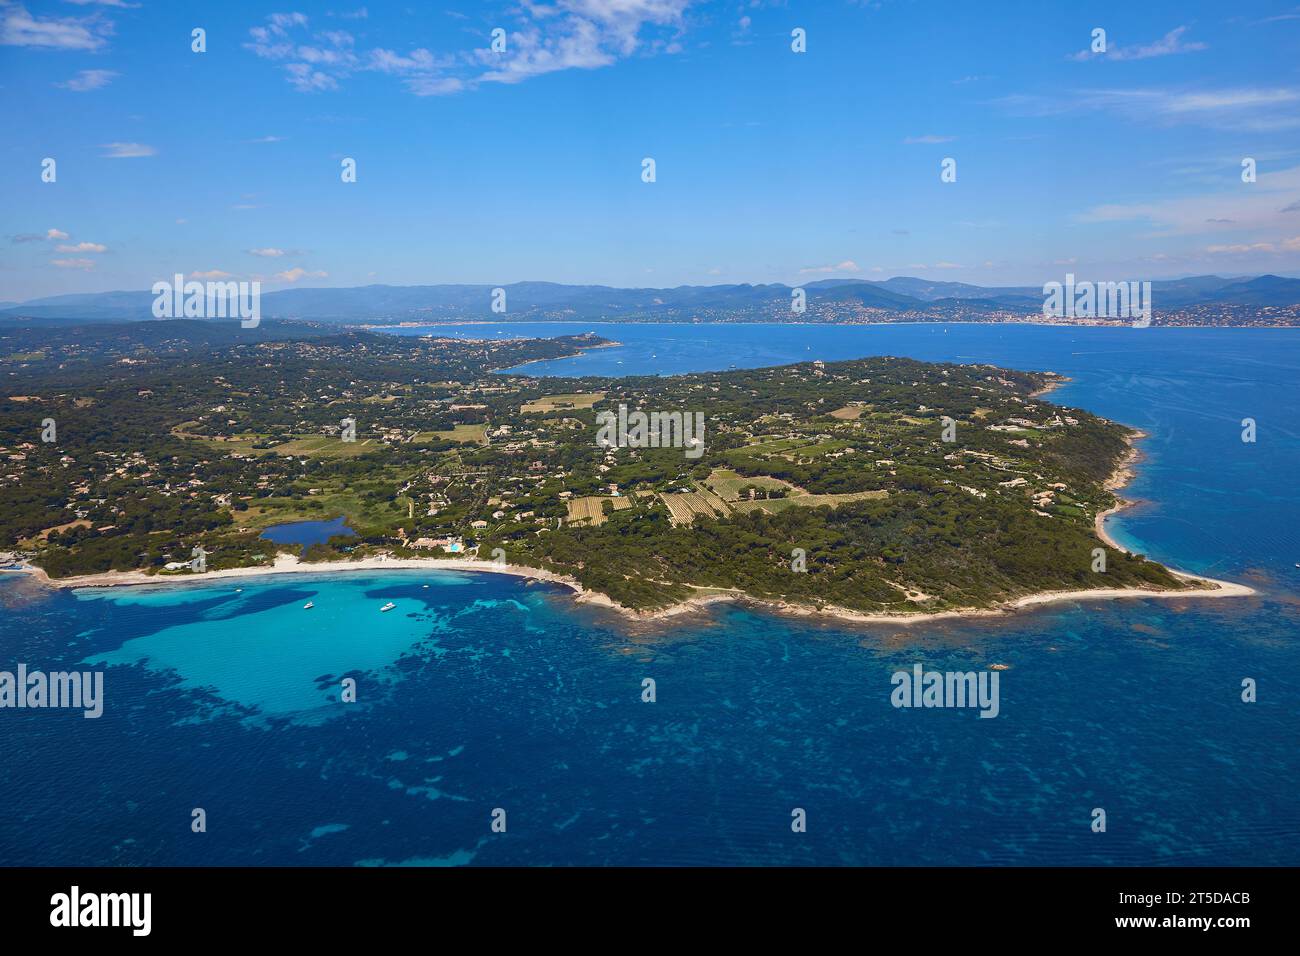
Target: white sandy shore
pixel 1209 588
pixel 288 564
pixel 1122 476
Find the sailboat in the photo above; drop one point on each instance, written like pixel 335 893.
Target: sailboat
pixel 388 607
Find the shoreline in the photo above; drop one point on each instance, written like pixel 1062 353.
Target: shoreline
pixel 1058 381
pixel 286 564
pixel 1123 474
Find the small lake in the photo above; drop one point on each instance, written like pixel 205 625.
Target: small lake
pixel 306 533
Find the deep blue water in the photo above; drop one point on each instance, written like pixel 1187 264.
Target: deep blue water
pixel 306 533
pixel 481 691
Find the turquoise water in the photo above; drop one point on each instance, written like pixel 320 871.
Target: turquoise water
pixel 481 691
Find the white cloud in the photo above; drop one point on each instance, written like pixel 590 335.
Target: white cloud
pixel 313 66
pixel 20 28
pixel 1167 45
pixel 297 272
pixel 1236 207
pixel 210 274
pixel 281 21
pixel 386 61
pixel 306 80
pixel 83 247
pixel 1245 219
pixel 1278 18
pixel 88 80
pixel 928 139
pixel 127 150
pixel 1280 246
pixel 848 265
pixel 424 73
pixel 50 236
pixel 1236 108
pixel 434 86
pixel 84 264
pixel 569 34
pixel 268 253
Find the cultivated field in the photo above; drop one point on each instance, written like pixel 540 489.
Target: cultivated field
pixel 685 507
pixel 591 508
pixel 465 434
pixel 551 403
pixel 773 505
pixel 323 446
pixel 727 484
pixel 308 446
pixel 849 412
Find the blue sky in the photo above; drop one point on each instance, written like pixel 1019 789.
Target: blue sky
pixel 771 165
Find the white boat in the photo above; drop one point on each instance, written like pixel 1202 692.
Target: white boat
pixel 308 606
pixel 239 590
pixel 388 607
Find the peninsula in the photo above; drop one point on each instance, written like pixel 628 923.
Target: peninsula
pixel 881 489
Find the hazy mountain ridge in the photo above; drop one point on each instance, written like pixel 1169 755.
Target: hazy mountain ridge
pixel 550 300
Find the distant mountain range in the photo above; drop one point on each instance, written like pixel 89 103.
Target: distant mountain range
pixel 828 300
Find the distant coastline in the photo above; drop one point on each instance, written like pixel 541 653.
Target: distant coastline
pixel 1019 320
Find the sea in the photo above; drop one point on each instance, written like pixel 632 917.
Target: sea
pixel 486 720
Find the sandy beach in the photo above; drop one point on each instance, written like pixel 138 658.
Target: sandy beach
pixel 288 564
